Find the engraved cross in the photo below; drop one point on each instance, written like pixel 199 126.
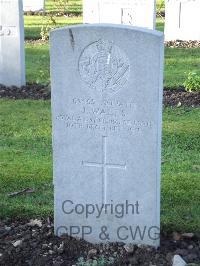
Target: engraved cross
pixel 104 166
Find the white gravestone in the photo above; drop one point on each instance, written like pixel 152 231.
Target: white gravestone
pixel 140 13
pixel 182 20
pixel 34 5
pixel 106 107
pixel 12 58
pixel 90 11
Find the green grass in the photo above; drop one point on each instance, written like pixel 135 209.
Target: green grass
pixel 37 63
pixel 33 24
pixel 25 142
pixel 74 6
pixel 25 157
pixel 178 62
pixel 180 172
pixel 26 161
pixel 160 24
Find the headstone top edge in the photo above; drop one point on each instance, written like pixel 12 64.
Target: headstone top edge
pixel 107 26
pixel 179 1
pixel 11 1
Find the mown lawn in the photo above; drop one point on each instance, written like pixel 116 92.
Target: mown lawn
pixel 178 62
pixel 25 139
pixel 26 161
pixel 76 5
pixel 33 24
pixel 25 152
pixel 180 195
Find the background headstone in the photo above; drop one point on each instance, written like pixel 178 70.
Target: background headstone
pixel 140 13
pixel 106 106
pixel 34 5
pixel 12 58
pixel 90 11
pixel 182 20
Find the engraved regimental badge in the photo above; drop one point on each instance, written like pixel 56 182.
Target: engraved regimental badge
pixel 104 67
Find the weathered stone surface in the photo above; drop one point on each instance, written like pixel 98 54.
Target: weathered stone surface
pixel 106 106
pixel 140 13
pixel 34 5
pixel 181 20
pixel 12 59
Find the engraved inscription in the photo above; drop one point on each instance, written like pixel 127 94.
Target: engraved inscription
pixel 7 30
pixel 104 67
pixel 104 166
pixel 109 116
pixel 127 16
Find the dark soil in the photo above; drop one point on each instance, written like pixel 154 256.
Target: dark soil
pixel 183 44
pixel 25 243
pixel 180 97
pixel 30 91
pixel 68 13
pixel 57 14
pixel 172 97
pixel 171 44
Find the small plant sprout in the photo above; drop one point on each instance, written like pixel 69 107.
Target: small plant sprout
pixel 192 83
